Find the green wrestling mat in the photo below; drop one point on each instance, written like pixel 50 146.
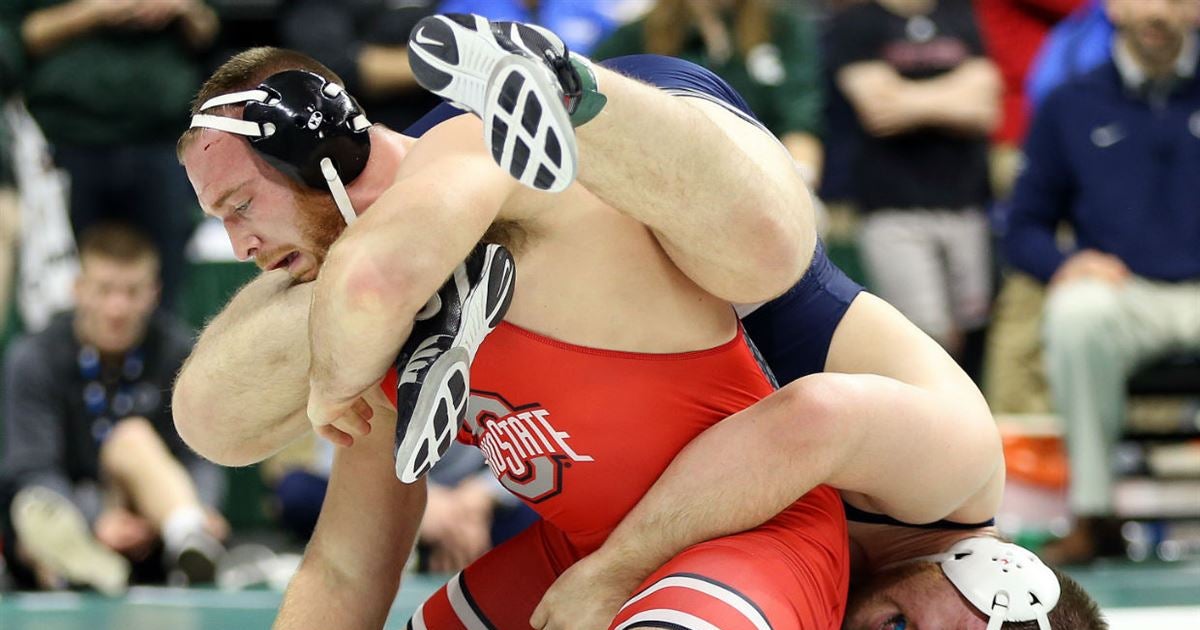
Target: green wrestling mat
pixel 1136 596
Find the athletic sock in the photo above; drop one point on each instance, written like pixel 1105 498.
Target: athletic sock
pixel 591 100
pixel 180 524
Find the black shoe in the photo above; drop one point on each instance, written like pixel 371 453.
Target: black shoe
pixel 517 78
pixel 196 562
pixel 435 363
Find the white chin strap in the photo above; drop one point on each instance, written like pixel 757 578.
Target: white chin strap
pixel 1005 581
pixel 240 127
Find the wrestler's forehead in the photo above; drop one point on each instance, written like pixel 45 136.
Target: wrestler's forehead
pixel 217 163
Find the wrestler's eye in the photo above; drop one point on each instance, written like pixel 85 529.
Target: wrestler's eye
pixel 896 622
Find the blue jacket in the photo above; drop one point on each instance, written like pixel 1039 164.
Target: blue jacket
pixel 1123 173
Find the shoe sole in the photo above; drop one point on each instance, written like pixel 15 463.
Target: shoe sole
pixel 54 532
pixel 440 407
pixel 525 126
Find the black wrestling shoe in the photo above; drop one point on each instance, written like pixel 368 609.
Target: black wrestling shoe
pixel 521 80
pixel 435 362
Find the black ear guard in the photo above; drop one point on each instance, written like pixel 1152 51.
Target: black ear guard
pixel 308 128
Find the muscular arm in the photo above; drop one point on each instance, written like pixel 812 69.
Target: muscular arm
pixel 241 394
pixel 386 266
pixel 966 99
pixel 904 433
pixel 352 565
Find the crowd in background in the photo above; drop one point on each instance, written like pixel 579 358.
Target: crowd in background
pixel 969 154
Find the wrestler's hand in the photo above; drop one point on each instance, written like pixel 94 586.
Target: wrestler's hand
pixel 339 421
pixel 586 596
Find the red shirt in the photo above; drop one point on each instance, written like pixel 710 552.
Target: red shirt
pixel 1013 31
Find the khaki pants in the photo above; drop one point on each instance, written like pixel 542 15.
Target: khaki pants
pixel 1096 335
pixel 1014 378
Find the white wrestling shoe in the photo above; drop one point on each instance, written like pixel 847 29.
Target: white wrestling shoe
pixel 55 534
pixel 521 80
pixel 435 362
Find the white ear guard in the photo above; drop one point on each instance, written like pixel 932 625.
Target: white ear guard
pixel 1005 581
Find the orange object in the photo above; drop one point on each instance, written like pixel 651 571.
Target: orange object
pixel 1039 460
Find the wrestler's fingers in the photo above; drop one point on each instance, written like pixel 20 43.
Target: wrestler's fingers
pixel 352 424
pixel 333 434
pixel 363 409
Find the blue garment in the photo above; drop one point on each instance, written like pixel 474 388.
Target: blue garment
pixel 793 331
pixel 1123 172
pixel 1073 47
pixel 580 23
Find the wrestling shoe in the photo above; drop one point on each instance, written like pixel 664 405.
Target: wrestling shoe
pixel 521 80
pixel 55 534
pixel 196 560
pixel 435 362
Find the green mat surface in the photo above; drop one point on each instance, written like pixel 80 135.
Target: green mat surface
pixel 1138 596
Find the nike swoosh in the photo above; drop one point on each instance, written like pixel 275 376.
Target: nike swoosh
pixel 420 38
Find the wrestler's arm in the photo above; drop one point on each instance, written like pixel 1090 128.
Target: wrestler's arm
pixel 901 432
pixel 352 565
pixel 240 396
pixel 387 264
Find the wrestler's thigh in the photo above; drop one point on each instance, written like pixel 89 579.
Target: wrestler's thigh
pixel 499 590
pixel 790 574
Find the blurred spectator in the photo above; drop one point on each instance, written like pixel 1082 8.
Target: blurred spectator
pixel 1013 31
pixel 10 60
pixel 110 83
pixel 1073 48
pixel 466 514
pixel 90 450
pixel 769 55
pixel 580 23
pixel 1114 154
pixel 365 43
pixel 927 98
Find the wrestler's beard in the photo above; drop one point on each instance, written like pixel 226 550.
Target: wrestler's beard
pixel 319 221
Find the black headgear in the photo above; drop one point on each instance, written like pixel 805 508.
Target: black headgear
pixel 298 121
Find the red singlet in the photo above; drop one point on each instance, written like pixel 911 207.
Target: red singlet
pixel 580 435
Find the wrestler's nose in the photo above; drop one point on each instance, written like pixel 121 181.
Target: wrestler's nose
pixel 245 244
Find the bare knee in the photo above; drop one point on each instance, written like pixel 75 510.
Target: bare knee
pixel 131 442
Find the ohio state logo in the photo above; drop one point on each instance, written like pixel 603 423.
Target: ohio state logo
pixel 521 446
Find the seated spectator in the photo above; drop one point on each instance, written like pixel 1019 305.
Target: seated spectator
pixel 1113 154
pixel 467 512
pixel 99 475
pixel 927 98
pixel 769 55
pixel 110 84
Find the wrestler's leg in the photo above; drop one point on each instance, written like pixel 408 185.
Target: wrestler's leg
pixel 711 185
pixel 791 573
pixel 722 194
pixel 499 590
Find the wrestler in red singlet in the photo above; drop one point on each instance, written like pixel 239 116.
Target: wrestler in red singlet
pixel 580 435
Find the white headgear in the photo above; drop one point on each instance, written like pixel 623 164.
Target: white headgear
pixel 1005 581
